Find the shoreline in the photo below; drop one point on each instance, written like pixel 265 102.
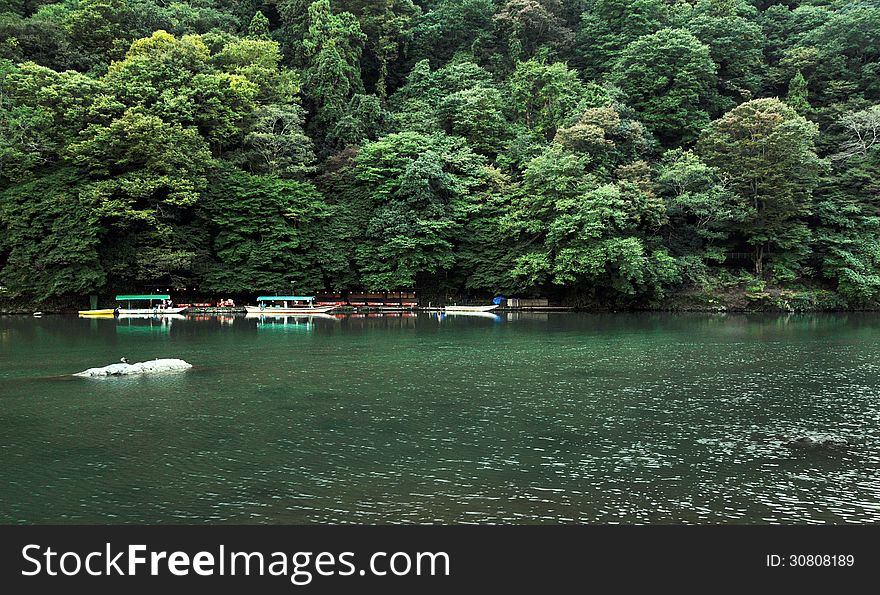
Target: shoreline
pixel 536 310
pixel 739 298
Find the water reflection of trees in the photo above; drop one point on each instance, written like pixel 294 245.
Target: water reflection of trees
pixel 379 321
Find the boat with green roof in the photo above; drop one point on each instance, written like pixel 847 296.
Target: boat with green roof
pixel 156 305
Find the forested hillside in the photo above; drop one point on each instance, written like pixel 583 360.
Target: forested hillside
pixel 610 152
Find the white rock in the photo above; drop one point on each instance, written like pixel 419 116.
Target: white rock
pixel 156 366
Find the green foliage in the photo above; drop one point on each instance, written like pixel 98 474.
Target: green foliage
pixel 475 114
pixel 486 260
pixel 137 162
pixel 766 151
pixel 529 25
pixel 294 16
pixel 544 95
pixel 423 189
pixel 275 143
pixel 797 95
pixel 598 151
pixel 97 29
pixel 849 235
pixel 259 27
pixel 364 119
pixel 36 39
pixel 848 52
pixel 574 230
pixel 432 86
pixel 607 136
pixel 49 238
pixel 608 26
pixel 700 206
pixel 173 79
pixel 42 110
pixel 459 98
pixel 736 47
pixel 260 228
pixel 340 233
pixel 332 48
pixel 453 26
pixel 387 25
pixel 257 60
pixel 667 78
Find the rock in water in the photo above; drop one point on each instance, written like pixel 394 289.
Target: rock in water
pixel 156 366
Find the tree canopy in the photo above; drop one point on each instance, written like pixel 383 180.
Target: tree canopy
pixel 603 152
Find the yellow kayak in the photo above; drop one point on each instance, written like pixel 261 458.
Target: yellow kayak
pixel 108 312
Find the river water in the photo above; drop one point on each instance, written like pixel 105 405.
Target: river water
pixel 515 418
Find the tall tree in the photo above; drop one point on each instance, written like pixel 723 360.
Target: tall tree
pixel 261 228
pixel 332 48
pixel 461 98
pixel 276 144
pixel 607 135
pixel 736 47
pixel 451 27
pixel 668 78
pixel 144 176
pixel 42 110
pixel 798 92
pixel 173 79
pixel 573 230
pixel 387 25
pixel 528 25
pixel 423 189
pixel 846 205
pixel 97 30
pixel 766 151
pixel 544 96
pixel 608 26
pixel 701 211
pixel 259 27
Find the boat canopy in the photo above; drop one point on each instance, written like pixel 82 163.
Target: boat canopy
pixel 286 298
pixel 123 298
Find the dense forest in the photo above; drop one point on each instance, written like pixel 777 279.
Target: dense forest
pixel 600 152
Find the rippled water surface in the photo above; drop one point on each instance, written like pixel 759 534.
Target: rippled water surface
pixel 520 418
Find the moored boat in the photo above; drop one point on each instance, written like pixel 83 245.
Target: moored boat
pixel 161 309
pixel 287 304
pixel 105 313
pixel 463 309
pixel 161 315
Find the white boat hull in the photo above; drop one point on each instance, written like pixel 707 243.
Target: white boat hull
pixel 463 309
pixel 151 311
pixel 281 311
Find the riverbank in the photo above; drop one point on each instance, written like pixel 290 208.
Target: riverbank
pixel 756 297
pixel 745 296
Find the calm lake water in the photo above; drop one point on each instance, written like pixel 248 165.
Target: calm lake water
pixel 520 418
